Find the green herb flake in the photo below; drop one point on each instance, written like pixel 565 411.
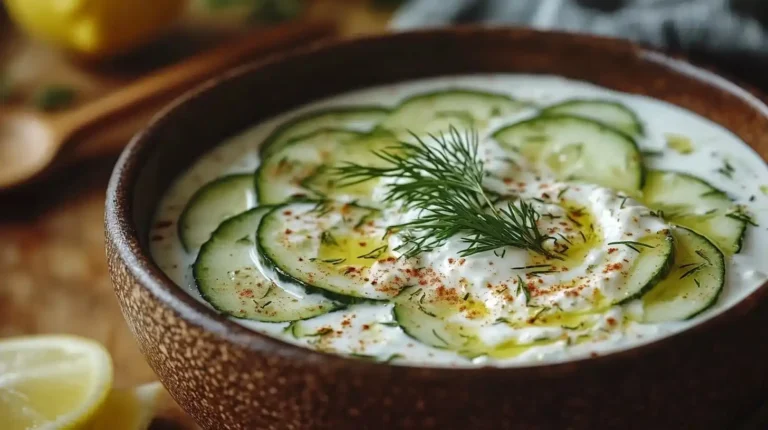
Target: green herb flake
pixel 375 253
pixel 327 238
pixel 389 324
pixel 652 153
pixel 434 332
pixel 632 244
pixel 522 286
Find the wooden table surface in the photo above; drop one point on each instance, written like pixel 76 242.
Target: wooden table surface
pixel 53 273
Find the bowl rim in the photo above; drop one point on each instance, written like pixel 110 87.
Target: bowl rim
pixel 122 235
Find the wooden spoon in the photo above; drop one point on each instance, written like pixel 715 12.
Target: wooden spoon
pixel 30 141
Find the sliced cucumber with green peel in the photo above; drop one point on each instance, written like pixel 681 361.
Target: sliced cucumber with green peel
pixel 304 168
pixel 228 279
pixel 432 321
pixel 608 112
pixel 691 202
pixel 332 248
pixel 692 286
pixel 574 148
pixel 354 118
pixel 213 203
pixel 656 258
pixel 437 111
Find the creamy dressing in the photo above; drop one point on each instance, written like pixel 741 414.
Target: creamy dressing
pixel 491 278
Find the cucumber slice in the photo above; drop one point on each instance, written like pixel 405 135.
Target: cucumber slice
pixel 357 118
pixel 418 319
pixel 228 279
pixel 332 248
pixel 610 113
pixel 436 323
pixel 693 285
pixel 211 204
pixel 650 267
pixel 435 112
pixel 688 201
pixel 574 148
pixel 303 168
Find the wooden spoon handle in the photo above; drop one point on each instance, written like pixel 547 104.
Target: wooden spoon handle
pixel 174 79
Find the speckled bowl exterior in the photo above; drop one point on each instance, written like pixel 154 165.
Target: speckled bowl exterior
pixel 227 377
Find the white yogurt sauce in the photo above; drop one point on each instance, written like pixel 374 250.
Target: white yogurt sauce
pixel 364 329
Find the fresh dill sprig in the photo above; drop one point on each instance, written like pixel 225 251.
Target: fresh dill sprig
pixel 445 181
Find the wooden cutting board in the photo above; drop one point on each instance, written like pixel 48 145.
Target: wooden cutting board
pixel 53 273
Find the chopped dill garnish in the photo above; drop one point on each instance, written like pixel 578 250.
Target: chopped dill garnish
pixel 563 191
pixel 502 320
pixel 522 286
pixel 584 238
pixel 573 220
pixel 466 296
pixel 423 309
pixel 322 208
pixel 741 216
pixel 632 244
pixel 623 201
pixel 537 314
pixel 266 304
pixel 269 290
pixel 533 266
pixel 564 238
pixel 691 271
pixel 550 216
pixel 389 324
pixel 701 254
pixel 375 253
pixel 434 332
pixel 327 238
pixel 334 261
pixel 503 253
pixel 727 170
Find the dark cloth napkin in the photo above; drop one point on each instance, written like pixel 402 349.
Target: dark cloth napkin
pixel 730 33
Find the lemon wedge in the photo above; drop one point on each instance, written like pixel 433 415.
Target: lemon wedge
pixel 129 409
pixel 52 382
pixel 96 28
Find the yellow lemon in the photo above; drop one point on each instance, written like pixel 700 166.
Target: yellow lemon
pixel 130 409
pixel 95 27
pixel 52 382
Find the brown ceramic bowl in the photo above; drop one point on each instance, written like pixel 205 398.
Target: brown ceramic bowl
pixel 228 377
